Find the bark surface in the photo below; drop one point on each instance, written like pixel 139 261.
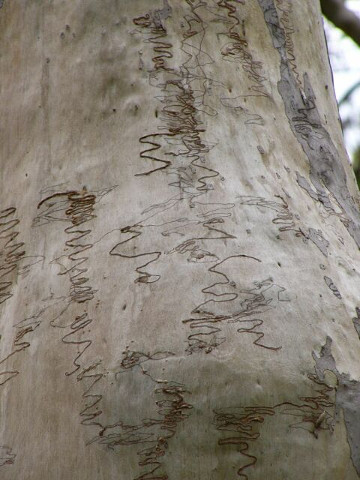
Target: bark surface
pixel 179 244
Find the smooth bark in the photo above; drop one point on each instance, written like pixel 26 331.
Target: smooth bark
pixel 179 244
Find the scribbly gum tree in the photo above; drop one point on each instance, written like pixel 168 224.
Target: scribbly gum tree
pixel 179 244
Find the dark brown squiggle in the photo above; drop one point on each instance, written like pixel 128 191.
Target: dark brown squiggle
pixel 243 306
pixel 284 218
pixel 151 435
pixel 240 425
pixel 313 413
pixel 236 50
pixel 287 220
pixel 286 8
pixel 76 210
pixel 11 251
pixel 19 344
pixel 162 53
pixel 178 144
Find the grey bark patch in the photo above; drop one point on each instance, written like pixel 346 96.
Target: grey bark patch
pixel 304 184
pixel 356 321
pixel 325 361
pixel 162 14
pixel 332 287
pixel 7 457
pixel 327 173
pixel 317 237
pixel 347 399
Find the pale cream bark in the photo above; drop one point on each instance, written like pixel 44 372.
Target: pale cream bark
pixel 179 244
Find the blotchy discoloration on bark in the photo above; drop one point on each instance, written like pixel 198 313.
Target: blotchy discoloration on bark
pixel 356 321
pixel 304 184
pixel 327 173
pixel 347 399
pixel 7 457
pixel 332 287
pixel 317 237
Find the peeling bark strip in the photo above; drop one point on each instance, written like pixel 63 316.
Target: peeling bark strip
pixel 347 399
pixel 327 173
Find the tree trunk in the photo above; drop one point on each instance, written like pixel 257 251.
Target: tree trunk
pixel 179 244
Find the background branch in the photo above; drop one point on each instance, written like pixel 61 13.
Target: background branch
pixel 343 18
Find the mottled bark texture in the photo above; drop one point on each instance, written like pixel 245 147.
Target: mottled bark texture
pixel 179 244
